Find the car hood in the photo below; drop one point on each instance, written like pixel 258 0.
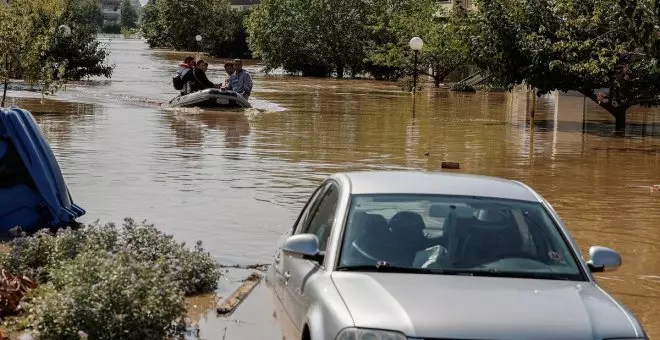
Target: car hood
pixel 465 307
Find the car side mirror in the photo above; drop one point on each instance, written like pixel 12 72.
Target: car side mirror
pixel 603 259
pixel 303 246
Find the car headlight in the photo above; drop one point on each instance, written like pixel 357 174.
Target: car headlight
pixel 369 334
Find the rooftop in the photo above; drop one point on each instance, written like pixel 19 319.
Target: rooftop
pixel 438 183
pixel 245 2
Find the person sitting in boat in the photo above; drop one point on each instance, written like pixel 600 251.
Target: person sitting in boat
pixel 199 79
pixel 182 70
pixel 240 81
pixel 229 68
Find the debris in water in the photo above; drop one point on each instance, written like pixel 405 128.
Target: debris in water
pixel 229 305
pixel 259 266
pixel 12 290
pixel 450 165
pixel 652 188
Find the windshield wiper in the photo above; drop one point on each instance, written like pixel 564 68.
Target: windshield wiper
pixel 385 267
pixel 524 275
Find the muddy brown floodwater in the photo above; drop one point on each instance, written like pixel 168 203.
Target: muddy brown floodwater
pixel 237 180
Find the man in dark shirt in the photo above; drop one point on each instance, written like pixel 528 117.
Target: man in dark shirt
pixel 198 79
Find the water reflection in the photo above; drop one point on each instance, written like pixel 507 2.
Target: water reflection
pixel 58 120
pixel 188 133
pixel 235 126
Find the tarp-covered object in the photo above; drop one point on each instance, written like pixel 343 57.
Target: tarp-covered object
pixel 33 193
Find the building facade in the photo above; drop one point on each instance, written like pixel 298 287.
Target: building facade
pixel 112 10
pixel 242 5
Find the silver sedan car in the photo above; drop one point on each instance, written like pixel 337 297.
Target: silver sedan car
pixel 402 255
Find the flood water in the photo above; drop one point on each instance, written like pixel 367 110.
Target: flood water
pixel 236 180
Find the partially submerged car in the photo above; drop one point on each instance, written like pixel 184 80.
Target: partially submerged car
pixel 415 255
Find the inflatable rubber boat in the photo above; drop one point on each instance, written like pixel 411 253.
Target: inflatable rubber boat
pixel 211 98
pixel 33 194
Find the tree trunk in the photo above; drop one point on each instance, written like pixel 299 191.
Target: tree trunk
pixel 620 119
pixel 619 112
pixel 340 71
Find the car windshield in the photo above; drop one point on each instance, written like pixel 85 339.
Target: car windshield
pixel 460 235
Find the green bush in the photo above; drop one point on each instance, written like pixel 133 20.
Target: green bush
pixel 460 87
pixel 109 282
pixel 111 29
pixel 37 256
pixel 130 33
pixel 107 296
pixel 195 270
pixel 406 84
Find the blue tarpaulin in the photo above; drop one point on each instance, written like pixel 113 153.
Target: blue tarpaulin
pixel 33 192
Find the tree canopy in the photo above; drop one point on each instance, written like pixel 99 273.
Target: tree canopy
pixel 79 55
pixel 322 38
pixel 393 23
pixel 175 23
pixel 34 49
pixel 316 38
pixel 605 49
pixel 26 31
pixel 129 16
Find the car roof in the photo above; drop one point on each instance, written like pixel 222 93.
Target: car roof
pixel 435 183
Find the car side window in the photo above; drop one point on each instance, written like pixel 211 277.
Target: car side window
pixel 323 217
pixel 311 203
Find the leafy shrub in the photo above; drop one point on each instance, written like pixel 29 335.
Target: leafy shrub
pixel 111 29
pixel 130 33
pixel 406 84
pixel 460 87
pixel 37 256
pixel 195 271
pixel 107 296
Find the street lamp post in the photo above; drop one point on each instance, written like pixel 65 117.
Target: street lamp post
pixel 416 44
pixel 199 40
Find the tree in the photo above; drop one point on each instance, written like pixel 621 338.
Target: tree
pixel 605 49
pixel 26 31
pixel 445 49
pixel 35 50
pixel 316 38
pixel 175 23
pixel 236 46
pixel 153 26
pixel 80 54
pixel 128 15
pixel 84 13
pixel 394 23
